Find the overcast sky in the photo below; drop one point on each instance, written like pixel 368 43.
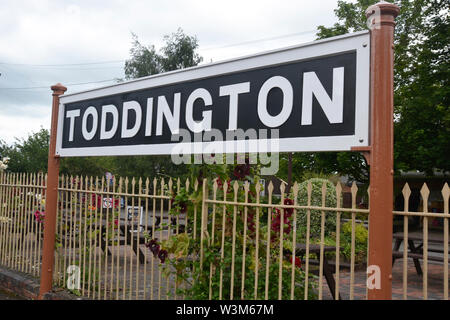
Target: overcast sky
pixel 43 42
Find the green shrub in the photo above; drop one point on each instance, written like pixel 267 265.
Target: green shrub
pixel 316 215
pixel 361 235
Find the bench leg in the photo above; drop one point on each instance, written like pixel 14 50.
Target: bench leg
pixel 398 242
pixel 330 278
pixel 418 267
pixel 415 249
pixel 135 246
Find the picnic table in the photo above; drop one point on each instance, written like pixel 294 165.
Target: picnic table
pixel 415 248
pixel 131 236
pixel 328 269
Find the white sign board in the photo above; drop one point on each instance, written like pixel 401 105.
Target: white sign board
pixel 310 97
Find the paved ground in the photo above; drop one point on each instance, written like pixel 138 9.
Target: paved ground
pixel 414 288
pixel 143 281
pixel 7 296
pixel 139 283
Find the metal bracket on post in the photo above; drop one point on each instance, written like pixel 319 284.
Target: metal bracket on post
pixel 365 151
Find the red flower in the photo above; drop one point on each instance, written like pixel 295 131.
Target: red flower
pixel 298 262
pixel 220 184
pixel 276 222
pixel 288 211
pixel 96 200
pixel 39 216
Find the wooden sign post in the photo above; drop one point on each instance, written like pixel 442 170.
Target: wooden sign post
pixel 51 203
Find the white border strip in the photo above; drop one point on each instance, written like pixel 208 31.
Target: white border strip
pixel 359 41
pixel 244 146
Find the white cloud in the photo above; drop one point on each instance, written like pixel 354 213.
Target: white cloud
pixel 21 125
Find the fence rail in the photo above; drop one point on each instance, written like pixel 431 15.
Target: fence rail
pixel 22 199
pixel 168 239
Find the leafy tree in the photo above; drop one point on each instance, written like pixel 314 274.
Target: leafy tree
pixel 178 53
pixel 90 166
pixel 422 96
pixel 144 60
pixel 421 89
pixel 31 155
pixel 28 155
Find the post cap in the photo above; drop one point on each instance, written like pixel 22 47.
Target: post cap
pixel 58 88
pixel 383 8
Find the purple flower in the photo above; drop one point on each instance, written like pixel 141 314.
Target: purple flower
pixel 162 255
pixel 153 246
pixel 241 171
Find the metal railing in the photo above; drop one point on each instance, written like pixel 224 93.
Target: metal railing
pixel 423 250
pixel 22 201
pixel 232 231
pixel 160 239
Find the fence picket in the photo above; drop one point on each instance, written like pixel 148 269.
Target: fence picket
pixel 406 194
pixel 308 225
pixel 354 190
pixel 425 192
pixel 445 197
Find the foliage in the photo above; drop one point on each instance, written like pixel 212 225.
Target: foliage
pixel 31 155
pixel 181 253
pixel 178 53
pixel 146 166
pixel 422 96
pixel 316 215
pixel 345 242
pixel 361 237
pixel 144 60
pixel 28 155
pixel 90 166
pixel 421 89
pixel 325 164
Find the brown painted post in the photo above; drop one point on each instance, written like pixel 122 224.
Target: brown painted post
pixel 48 250
pixel 382 17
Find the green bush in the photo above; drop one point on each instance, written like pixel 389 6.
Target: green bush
pixel 316 215
pixel 361 235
